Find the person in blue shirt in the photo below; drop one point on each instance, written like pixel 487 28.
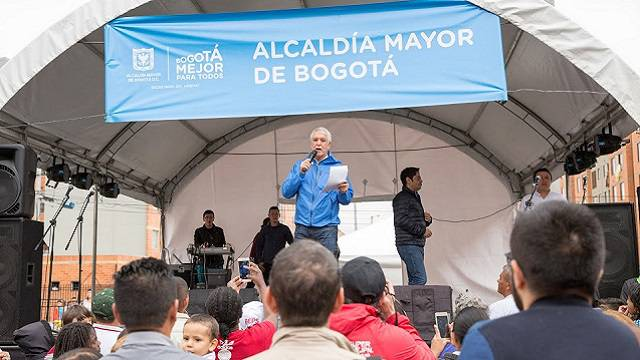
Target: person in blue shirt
pixel 557 259
pixel 316 210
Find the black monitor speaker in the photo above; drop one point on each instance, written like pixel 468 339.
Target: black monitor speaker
pixel 621 263
pixel 421 302
pixel 17 175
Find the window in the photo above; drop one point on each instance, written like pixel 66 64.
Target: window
pixel 594 182
pixel 75 285
pixel 155 236
pixel 620 159
pixel 614 194
pixel 622 192
pixel 638 150
pixel 55 285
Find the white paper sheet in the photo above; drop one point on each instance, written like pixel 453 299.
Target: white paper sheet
pixel 337 175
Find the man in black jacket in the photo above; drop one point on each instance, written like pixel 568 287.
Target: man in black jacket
pixel 210 235
pixel 273 237
pixel 411 222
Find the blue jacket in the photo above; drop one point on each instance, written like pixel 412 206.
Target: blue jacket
pixel 315 207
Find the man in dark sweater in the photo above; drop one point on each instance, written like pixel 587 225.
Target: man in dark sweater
pixel 274 236
pixel 411 222
pixel 558 253
pixel 210 235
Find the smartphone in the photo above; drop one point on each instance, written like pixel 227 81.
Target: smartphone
pixel 243 268
pixel 442 322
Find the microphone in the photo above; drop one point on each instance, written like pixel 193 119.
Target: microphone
pixel 68 190
pixel 312 155
pixel 536 180
pixel 91 193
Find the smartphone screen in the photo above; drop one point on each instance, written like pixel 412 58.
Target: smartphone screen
pixel 442 321
pixel 243 268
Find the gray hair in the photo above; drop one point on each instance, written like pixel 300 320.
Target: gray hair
pixel 320 130
pixel 506 268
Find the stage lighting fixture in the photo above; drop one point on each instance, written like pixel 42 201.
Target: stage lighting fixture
pixel 58 172
pixel 110 189
pixel 82 180
pixel 579 161
pixel 604 144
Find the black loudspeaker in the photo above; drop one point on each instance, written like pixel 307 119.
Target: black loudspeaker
pixel 421 304
pixel 218 277
pixel 621 262
pixel 198 298
pixel 20 274
pixel 17 175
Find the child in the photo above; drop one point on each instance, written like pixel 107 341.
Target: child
pixel 200 336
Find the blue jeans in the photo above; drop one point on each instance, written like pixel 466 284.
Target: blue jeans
pixel 413 258
pixel 325 235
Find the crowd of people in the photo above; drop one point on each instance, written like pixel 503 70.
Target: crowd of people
pixel 313 309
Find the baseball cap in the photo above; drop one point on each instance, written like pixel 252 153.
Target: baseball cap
pixel 101 304
pixel 363 280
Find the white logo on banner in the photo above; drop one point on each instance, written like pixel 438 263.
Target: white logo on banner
pixel 142 59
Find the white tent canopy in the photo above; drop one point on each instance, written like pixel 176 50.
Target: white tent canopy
pixel 564 85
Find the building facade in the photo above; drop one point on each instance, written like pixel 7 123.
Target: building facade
pixel 128 229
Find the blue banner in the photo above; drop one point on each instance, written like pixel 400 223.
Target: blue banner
pixel 302 61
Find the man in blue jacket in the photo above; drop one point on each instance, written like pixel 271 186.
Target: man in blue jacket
pixel 316 210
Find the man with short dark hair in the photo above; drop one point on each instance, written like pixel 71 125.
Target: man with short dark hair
pixel 146 303
pixel 411 222
pixel 506 306
pixel 369 319
pixel 181 317
pixel 305 289
pixel 210 235
pixel 543 193
pixel 273 238
pixel 558 258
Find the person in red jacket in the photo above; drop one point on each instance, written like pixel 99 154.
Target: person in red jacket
pixel 369 320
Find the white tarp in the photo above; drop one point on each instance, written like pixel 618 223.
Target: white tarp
pixel 564 85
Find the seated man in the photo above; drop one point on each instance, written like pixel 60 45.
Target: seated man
pixel 304 290
pixel 146 303
pixel 367 294
pixel 505 306
pixel 558 258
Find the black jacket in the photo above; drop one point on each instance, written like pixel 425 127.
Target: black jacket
pixel 408 218
pixel 210 237
pixel 34 339
pixel 273 239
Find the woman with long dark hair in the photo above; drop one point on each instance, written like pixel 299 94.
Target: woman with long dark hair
pixel 76 335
